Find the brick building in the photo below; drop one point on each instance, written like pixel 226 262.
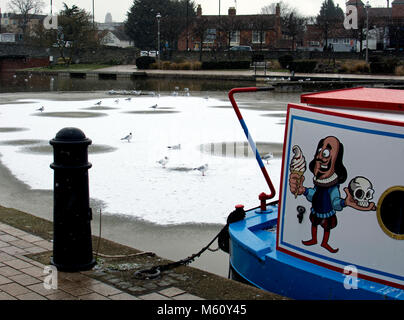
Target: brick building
pixel 261 32
pixel 386 29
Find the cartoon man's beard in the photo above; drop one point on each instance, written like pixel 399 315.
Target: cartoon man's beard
pixel 321 173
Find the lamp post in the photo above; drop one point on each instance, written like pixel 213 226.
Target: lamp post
pixel 367 6
pixel 158 17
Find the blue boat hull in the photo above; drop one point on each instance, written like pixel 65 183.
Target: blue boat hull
pixel 253 257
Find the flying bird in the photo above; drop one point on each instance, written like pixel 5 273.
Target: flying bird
pixel 163 162
pixel 128 137
pixel 268 156
pixel 202 169
pixel 176 147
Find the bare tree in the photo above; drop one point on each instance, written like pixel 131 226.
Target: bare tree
pixel 199 31
pixel 26 8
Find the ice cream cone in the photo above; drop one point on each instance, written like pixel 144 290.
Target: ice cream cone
pixel 298 165
pixel 300 173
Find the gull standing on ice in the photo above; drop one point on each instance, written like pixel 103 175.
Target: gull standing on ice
pixel 98 103
pixel 128 99
pixel 41 109
pixel 176 147
pixel 202 169
pixel 128 137
pixel 268 156
pixel 154 107
pixel 163 161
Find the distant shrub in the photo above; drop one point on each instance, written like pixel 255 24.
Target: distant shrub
pixel 274 64
pixel 285 61
pixel 354 66
pixel 196 65
pixel 168 65
pixel 144 62
pixel 399 71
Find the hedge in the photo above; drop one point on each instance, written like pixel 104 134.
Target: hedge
pixel 285 61
pixel 303 66
pixel 144 62
pixel 386 66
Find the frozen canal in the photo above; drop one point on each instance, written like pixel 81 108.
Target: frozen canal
pixel 126 175
pixel 170 206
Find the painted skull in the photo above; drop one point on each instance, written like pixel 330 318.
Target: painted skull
pixel 361 190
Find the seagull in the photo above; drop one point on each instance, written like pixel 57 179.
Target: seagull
pixel 128 137
pixel 128 99
pixel 202 169
pixel 176 147
pixel 117 101
pixel 154 106
pixel 163 161
pixel 41 109
pixel 175 93
pixel 268 156
pixel 98 103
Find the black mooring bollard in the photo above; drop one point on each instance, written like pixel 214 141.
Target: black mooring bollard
pixel 72 246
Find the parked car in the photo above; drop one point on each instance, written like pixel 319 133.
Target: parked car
pixel 144 53
pixel 153 53
pixel 241 48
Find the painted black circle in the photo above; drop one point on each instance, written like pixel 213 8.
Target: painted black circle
pixel 392 212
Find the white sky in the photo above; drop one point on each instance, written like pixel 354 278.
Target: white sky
pixel 119 8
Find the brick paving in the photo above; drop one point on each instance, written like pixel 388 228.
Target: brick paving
pixel 22 278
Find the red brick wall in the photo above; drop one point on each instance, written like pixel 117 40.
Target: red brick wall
pixel 12 64
pixel 397 11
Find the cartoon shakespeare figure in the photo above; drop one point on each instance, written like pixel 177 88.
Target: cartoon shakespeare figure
pixel 329 173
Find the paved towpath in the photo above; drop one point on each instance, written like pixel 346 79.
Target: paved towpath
pixel 22 278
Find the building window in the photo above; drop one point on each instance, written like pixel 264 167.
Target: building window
pixel 258 37
pixel 234 38
pixel 210 36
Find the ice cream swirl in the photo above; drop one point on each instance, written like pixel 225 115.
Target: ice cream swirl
pixel 298 162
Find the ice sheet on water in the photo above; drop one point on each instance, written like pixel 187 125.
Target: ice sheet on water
pixel 129 179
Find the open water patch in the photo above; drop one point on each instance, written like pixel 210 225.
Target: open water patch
pixel 263 106
pixel 180 169
pixel 12 129
pixel 71 114
pixel 152 112
pixel 100 108
pixel 274 115
pixel 237 149
pixel 44 149
pixel 22 142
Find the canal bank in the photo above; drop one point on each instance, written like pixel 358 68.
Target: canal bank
pixel 278 81
pixel 26 249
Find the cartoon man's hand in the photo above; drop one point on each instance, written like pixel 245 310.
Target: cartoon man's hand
pixel 296 184
pixel 350 201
